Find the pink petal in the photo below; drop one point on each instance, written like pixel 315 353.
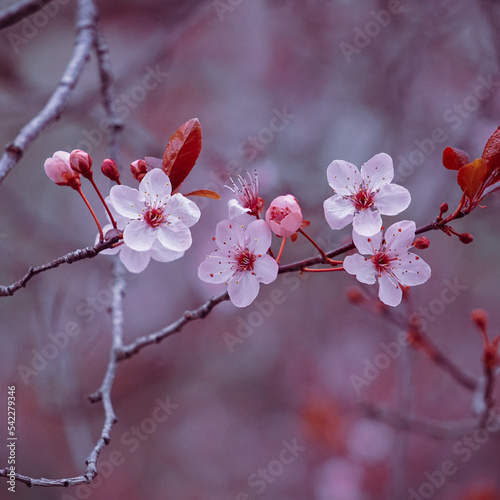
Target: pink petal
pixel 266 269
pixel 378 171
pixel 411 270
pixel 174 236
pixel 126 201
pixel 367 245
pixel 367 222
pixel 362 268
pixel 392 199
pixel 389 291
pixel 155 186
pixel 243 289
pixel 215 269
pixel 228 235
pixel 184 210
pixel 258 237
pixel 343 177
pixel 139 236
pixel 290 224
pixel 161 254
pixel 399 237
pixel 134 261
pixel 338 211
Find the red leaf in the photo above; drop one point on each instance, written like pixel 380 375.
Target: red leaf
pixel 181 152
pixel 491 151
pixel 205 193
pixel 454 159
pixel 470 177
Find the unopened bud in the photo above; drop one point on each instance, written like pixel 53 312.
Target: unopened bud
pixel 58 169
pixel 81 162
pixel 110 170
pixel 355 295
pixel 139 169
pixel 480 318
pixel 466 238
pixel 421 243
pixel 443 208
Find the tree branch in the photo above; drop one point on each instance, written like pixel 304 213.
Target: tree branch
pixel 86 18
pixel 16 13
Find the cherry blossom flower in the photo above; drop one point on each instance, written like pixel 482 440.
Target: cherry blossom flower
pixel 133 260
pixel 247 197
pixel 389 260
pixel 284 216
pixel 240 260
pixel 356 194
pixel 58 169
pixel 154 214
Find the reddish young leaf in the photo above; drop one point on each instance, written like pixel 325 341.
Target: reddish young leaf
pixel 491 153
pixel 181 152
pixel 204 193
pixel 470 177
pixel 454 159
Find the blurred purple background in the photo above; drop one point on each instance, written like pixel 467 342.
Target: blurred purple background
pixel 348 80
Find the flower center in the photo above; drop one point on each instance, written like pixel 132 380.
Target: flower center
pixel 248 194
pixel 154 216
pixel 245 261
pixel 381 261
pixel 278 214
pixel 362 199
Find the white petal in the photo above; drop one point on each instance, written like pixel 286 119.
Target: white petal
pixel 367 245
pixel 155 186
pixel 175 236
pixel 411 270
pixel 399 237
pixel 235 208
pixel 139 236
pixel 367 222
pixel 162 254
pixel 266 269
pixel 378 171
pixel 184 210
pixel 126 201
pixel 338 211
pixel 362 268
pixel 108 251
pixel 389 291
pixel 134 261
pixel 392 199
pixel 228 235
pixel 258 237
pixel 215 270
pixel 243 289
pixel 343 177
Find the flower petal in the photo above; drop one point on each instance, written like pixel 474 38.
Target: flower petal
pixel 338 211
pixel 126 201
pixel 367 222
pixel 184 210
pixel 363 268
pixel 162 254
pixel 228 235
pixel 175 236
pixel 235 208
pixel 367 245
pixel 155 186
pixel 243 289
pixel 391 199
pixel 134 261
pixel 343 177
pixel 378 171
pixel 139 236
pixel 258 237
pixel 399 237
pixel 411 270
pixel 389 291
pixel 215 269
pixel 266 269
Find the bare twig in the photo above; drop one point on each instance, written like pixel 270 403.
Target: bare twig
pixel 18 12
pixel 69 258
pixel 86 18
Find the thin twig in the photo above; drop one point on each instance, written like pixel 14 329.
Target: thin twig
pixel 86 18
pixel 15 13
pixel 69 258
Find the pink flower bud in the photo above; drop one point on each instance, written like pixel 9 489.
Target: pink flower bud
pixel 81 162
pixel 110 170
pixel 466 238
pixel 421 243
pixel 58 168
pixel 284 216
pixel 139 169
